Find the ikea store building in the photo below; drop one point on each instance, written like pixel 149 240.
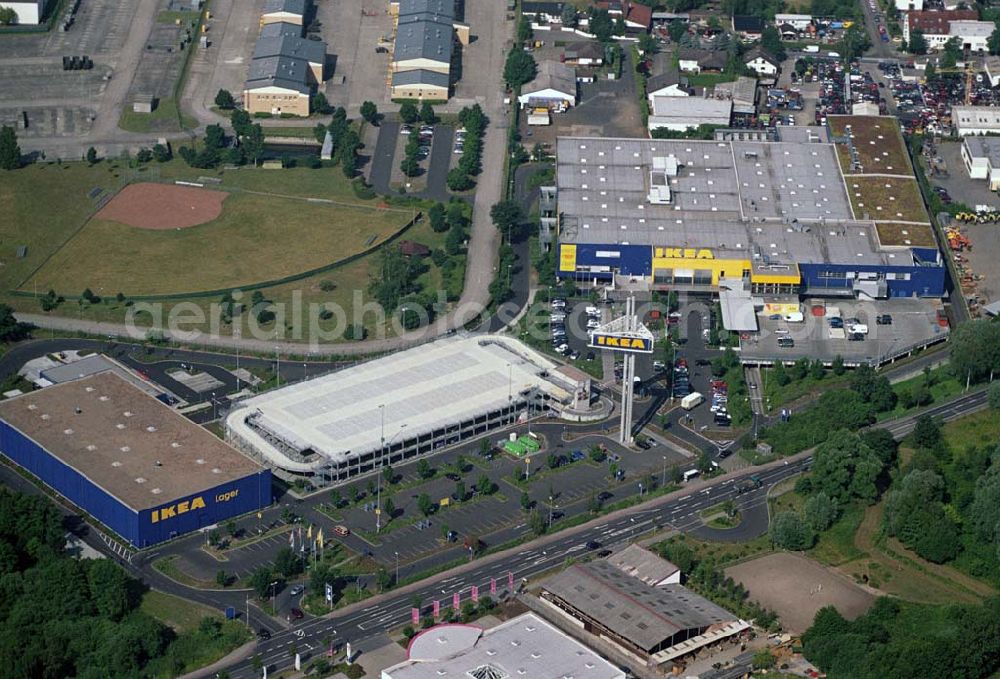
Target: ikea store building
pixel 137 466
pixel 688 214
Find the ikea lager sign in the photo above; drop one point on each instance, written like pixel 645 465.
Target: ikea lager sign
pixel 620 343
pixel 170 511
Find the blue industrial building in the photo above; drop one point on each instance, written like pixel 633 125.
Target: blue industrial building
pixel 132 463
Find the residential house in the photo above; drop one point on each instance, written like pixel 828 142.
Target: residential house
pixel 762 62
pixel 585 53
pixel 667 84
pixel 788 32
pixel 637 17
pixel 748 27
pixel 554 87
pixel 547 12
pixel 693 60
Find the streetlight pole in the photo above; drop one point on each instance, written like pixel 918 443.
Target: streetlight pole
pixel 663 479
pixel 397 569
pixel 381 460
pixel 277 366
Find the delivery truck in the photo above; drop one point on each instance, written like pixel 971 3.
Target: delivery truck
pixel 691 400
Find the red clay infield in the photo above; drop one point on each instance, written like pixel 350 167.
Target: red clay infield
pixel 163 206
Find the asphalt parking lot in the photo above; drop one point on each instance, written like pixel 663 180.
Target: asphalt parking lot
pixel 914 323
pixel 352 29
pixel 99 30
pixel 960 187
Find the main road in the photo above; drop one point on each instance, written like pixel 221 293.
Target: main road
pixel 366 620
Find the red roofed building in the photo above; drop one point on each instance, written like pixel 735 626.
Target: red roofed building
pixel 636 16
pixel 935 25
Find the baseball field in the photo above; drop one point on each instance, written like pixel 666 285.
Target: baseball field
pixel 164 239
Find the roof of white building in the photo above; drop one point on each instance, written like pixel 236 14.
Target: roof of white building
pixel 340 416
pixel 525 646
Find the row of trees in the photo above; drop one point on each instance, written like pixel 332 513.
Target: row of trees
pixel 470 164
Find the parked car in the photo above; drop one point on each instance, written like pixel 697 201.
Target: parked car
pixel 883 319
pixel 296 614
pixel 296 590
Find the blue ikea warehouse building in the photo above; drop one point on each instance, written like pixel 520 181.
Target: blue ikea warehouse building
pixel 132 463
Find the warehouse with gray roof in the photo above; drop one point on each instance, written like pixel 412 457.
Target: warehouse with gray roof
pixel 654 625
pixel 426 31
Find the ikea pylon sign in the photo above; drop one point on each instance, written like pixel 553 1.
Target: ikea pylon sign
pixel 638 345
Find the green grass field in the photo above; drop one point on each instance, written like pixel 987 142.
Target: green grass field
pixel 175 612
pixel 257 238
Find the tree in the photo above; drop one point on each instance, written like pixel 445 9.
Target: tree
pixel 459 180
pixel 408 113
pixel 436 215
pixel 370 112
pixel 389 507
pixel 838 367
pixel 424 469
pixel 253 143
pixel 143 156
pixel 552 461
pixel 952 52
pixel 601 25
pixel 114 594
pixel 221 578
pixel 917 43
pixel 855 42
pixel 224 100
pixel 845 468
pixel 287 563
pixel 10 152
pixel 819 512
pixel 161 153
pixel 460 492
pixel 789 531
pixel 427 115
pixel 425 504
pixel 485 486
pixel 597 454
pixel 569 18
pixel 536 522
pixel 993 42
pixel 930 71
pixel 320 104
pixel 8 17
pixel 520 68
pixel 705 462
pixel 260 581
pixel 524 31
pixel 927 433
pixel 647 44
pixel 780 375
pixel 676 475
pixel 771 41
pixel 336 499
pixel 816 370
pixel 91 155
pixel 679 554
pixel 525 501
pixel 507 216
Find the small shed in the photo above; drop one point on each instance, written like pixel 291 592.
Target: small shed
pixel 414 249
pixel 143 103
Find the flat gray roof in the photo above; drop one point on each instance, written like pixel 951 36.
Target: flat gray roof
pixel 283 72
pixel 420 390
pixel 294 47
pixel 525 647
pixel 128 443
pixel 786 199
pixel 420 76
pixel 645 615
pixel 424 39
pixel 984 147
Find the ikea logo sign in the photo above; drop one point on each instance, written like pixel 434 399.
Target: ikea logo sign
pixel 683 253
pixel 621 343
pixel 170 511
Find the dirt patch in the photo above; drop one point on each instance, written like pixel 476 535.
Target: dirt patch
pixel 163 206
pixel 796 587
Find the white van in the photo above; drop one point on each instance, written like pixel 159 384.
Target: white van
pixel 690 474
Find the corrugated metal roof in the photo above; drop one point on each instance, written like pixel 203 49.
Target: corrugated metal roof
pixel 290 6
pixel 279 72
pixel 424 39
pixel 313 51
pixel 420 76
